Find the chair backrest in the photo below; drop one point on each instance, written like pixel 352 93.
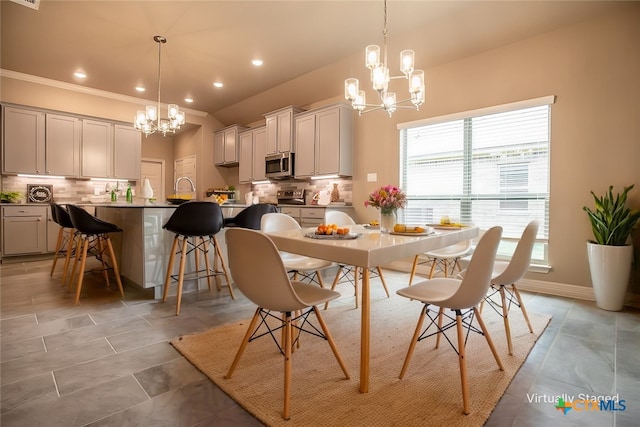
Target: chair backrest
pixel 258 270
pixel 250 216
pixel 60 216
pixel 521 258
pixel 196 218
pixel 454 251
pixel 338 218
pixel 477 278
pixel 86 223
pixel 278 222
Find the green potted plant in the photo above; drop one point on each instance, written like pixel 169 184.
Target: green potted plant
pixel 611 253
pixel 10 196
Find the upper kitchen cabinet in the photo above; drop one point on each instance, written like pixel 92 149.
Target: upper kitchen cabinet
pixel 252 154
pixel 127 153
pixel 40 143
pixel 23 141
pixel 324 142
pixel 226 146
pixel 280 130
pixel 97 149
pixel 63 145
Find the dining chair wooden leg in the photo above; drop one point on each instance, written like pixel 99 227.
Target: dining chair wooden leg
pixel 413 269
pixel 505 318
pixel 287 365
pixel 463 363
pixel 243 344
pixel 319 279
pixel 414 341
pixel 439 333
pixel 332 343
pixel 114 265
pixel 433 267
pixel 487 336
pixel 384 283
pixel 334 284
pixel 524 310
pixel 167 280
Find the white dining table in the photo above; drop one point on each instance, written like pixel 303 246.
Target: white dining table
pixel 370 249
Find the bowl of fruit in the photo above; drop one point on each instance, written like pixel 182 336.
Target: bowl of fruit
pixel 332 231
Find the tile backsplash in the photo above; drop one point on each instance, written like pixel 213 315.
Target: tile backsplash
pixel 64 190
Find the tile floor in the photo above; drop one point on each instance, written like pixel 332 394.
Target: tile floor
pixel 107 362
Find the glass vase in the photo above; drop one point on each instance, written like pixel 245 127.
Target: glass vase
pixel 388 220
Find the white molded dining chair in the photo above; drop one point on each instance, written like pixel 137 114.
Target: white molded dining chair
pixel 506 274
pixel 447 259
pixel 260 274
pixel 461 296
pixel 350 273
pixel 298 265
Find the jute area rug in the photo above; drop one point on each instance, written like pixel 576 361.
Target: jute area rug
pixel 429 394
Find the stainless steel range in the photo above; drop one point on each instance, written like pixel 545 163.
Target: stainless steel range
pixel 291 197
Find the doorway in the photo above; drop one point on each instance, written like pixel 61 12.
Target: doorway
pixel 153 170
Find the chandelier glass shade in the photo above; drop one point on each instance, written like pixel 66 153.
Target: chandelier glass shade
pixel 148 121
pixel 376 62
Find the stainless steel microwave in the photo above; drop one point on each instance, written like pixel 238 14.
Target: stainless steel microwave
pixel 279 166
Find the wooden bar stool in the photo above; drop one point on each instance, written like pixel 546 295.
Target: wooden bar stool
pixel 195 225
pixel 93 240
pixel 66 238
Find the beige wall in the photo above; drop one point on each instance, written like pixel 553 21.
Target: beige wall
pixel 593 69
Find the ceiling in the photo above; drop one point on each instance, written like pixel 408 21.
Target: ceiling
pixel 207 41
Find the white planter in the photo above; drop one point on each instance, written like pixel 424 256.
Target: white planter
pixel 610 268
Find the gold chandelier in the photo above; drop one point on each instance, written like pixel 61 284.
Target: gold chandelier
pixel 380 78
pixel 148 121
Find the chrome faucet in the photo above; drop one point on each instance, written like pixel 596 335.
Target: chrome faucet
pixel 175 187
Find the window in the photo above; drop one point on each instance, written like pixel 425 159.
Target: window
pixel 485 167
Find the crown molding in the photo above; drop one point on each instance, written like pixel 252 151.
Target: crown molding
pixel 87 90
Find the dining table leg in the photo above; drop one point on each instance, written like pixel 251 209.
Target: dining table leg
pixel 365 333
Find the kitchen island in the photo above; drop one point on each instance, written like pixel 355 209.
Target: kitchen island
pixel 144 247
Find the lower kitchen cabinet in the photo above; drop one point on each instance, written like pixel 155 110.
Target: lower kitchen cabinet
pixel 311 216
pixel 24 230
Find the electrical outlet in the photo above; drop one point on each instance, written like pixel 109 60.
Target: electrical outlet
pixel 372 177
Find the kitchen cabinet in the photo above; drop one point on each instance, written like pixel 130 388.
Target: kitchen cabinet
pixel 279 125
pixel 62 144
pixel 324 142
pixel 97 149
pixel 226 146
pixel 311 216
pixel 252 146
pixel 40 143
pixel 24 230
pixel 127 153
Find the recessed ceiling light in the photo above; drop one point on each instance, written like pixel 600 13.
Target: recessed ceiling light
pixel 218 84
pixel 188 100
pixel 140 89
pixel 257 62
pixel 80 74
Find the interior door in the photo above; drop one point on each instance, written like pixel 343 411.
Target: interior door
pixel 153 170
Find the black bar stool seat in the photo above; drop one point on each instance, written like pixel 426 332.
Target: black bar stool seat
pixel 195 225
pixel 250 216
pixel 93 240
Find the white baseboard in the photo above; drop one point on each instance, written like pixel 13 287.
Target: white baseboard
pixel 548 288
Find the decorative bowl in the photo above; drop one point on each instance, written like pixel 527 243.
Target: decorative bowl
pixel 176 201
